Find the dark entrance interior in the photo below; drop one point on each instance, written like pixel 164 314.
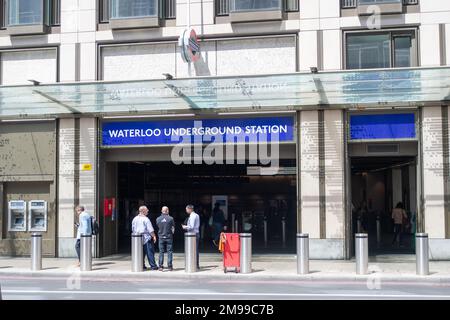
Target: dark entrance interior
pixel 378 184
pixel 251 198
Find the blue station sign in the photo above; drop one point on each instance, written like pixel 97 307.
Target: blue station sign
pixel 382 126
pixel 169 132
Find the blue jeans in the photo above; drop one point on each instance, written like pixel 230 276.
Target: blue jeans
pixel 77 248
pixel 165 245
pixel 150 252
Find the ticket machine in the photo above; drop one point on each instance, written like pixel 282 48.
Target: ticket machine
pixel 37 215
pixel 17 215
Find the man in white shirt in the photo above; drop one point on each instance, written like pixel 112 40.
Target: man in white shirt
pixel 84 226
pixel 142 224
pixel 193 225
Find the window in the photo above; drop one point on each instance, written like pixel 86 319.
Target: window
pixel 123 9
pixel 380 50
pixel 255 5
pixel 223 7
pixel 30 12
pixel 368 2
pixel 25 12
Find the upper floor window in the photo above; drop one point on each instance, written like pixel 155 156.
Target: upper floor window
pixel 122 9
pixel 255 5
pixel 394 49
pixel 30 12
pixel 224 7
pixel 23 12
pixel 128 9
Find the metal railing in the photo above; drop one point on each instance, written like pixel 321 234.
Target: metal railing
pixel 345 4
pixel 55 12
pixel 291 5
pixel 103 11
pixel 222 7
pixel 2 14
pixel 170 7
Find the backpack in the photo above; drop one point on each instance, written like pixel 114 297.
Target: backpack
pixel 94 226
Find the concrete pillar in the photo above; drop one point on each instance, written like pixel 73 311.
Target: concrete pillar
pixel 88 169
pixel 67 192
pixel 309 174
pixel 334 183
pixel 434 181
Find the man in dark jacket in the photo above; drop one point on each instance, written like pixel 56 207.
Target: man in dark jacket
pixel 166 229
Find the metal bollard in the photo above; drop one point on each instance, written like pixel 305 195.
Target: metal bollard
pixel 236 226
pixel 190 252
pixel 86 252
pixel 422 263
pixel 283 230
pixel 378 231
pixel 36 252
pixel 246 252
pixel 362 253
pixel 137 252
pixel 233 218
pixel 302 253
pixel 265 231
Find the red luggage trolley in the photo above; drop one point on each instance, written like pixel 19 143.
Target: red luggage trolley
pixel 231 248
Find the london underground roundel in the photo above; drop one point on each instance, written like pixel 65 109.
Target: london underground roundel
pixel 190 46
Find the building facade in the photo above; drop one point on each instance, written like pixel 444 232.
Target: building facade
pixel 342 180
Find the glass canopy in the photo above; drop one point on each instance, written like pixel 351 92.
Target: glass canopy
pixel 393 87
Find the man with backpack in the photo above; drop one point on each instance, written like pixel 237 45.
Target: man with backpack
pixel 84 226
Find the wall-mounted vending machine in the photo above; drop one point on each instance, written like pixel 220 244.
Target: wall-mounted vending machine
pixel 37 215
pixel 17 215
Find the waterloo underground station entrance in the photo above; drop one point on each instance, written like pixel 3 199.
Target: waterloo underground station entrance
pixel 254 182
pixel 319 168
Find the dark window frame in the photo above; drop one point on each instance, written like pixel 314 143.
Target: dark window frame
pixel 226 12
pixel 104 10
pixel 393 33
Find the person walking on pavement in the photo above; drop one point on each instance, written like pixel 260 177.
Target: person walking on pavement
pixel 166 229
pixel 399 216
pixel 193 225
pixel 141 224
pixel 84 226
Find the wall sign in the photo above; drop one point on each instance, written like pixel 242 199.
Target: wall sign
pixel 382 126
pixel 189 45
pixel 171 132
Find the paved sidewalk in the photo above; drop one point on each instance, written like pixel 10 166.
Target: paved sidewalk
pixel 270 267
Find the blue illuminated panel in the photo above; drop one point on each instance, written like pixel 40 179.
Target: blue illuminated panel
pixel 166 132
pixel 382 126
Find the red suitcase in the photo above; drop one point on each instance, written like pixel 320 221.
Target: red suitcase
pixel 231 252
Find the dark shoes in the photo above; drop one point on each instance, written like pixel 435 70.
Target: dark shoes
pixel 161 269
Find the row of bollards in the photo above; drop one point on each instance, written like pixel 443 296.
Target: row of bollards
pixel 137 254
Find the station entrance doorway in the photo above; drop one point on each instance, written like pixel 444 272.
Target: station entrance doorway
pixel 250 199
pixel 383 177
